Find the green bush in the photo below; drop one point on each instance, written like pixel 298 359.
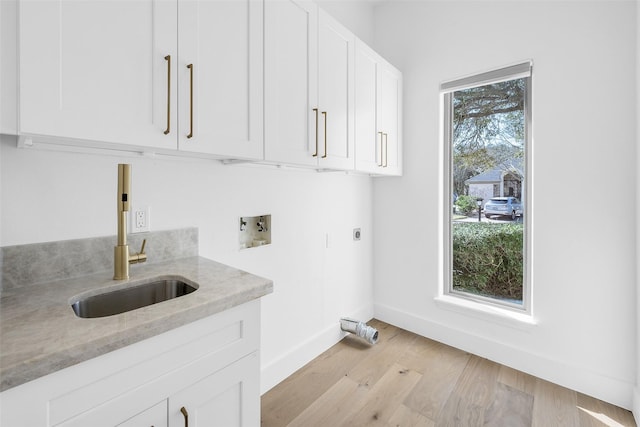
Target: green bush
pixel 487 259
pixel 466 204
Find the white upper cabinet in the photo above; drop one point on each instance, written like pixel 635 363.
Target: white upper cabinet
pixel 291 81
pixel 108 72
pixel 368 141
pixel 378 114
pixel 309 92
pixel 95 70
pixel 279 81
pixel 220 72
pixel 389 117
pixel 336 49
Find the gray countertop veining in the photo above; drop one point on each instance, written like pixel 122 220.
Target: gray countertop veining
pixel 40 334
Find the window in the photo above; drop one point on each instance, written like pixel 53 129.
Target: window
pixel 487 165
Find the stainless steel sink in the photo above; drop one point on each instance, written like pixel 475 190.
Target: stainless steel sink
pixel 131 298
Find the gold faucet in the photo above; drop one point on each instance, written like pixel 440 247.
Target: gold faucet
pixel 122 259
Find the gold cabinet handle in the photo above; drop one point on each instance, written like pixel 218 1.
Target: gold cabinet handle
pixel 324 113
pixel 316 153
pixel 381 148
pixel 190 67
pixel 186 416
pixel 168 59
pixel 386 150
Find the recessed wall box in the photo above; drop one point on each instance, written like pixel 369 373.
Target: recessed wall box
pixel 254 231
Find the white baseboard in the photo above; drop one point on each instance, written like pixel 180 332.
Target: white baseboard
pixel 608 389
pixel 279 369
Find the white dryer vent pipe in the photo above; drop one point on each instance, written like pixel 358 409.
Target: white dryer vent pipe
pixel 361 330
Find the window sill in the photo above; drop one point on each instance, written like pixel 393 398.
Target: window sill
pixel 501 316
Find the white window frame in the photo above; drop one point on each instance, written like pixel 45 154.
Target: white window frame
pixel 512 72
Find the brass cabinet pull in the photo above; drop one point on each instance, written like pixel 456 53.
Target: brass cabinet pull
pixel 168 59
pixel 190 67
pixel 386 150
pixel 316 153
pixel 324 113
pixel 186 416
pixel 381 149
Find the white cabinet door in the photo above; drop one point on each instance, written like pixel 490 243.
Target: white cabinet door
pixel 228 398
pixel 368 142
pixel 309 92
pixel 378 114
pixel 335 94
pixel 291 81
pixel 221 93
pixel 96 70
pixel 389 107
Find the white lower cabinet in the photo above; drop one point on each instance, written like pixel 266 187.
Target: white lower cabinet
pixel 226 398
pixel 202 374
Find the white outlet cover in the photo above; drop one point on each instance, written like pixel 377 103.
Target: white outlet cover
pixel 139 219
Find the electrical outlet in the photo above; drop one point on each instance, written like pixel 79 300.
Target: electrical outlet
pixel 140 221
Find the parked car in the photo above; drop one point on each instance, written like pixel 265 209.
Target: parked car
pixel 503 206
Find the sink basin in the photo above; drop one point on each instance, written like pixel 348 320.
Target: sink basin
pixel 128 299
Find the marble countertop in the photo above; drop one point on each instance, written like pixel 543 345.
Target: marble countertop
pixel 40 334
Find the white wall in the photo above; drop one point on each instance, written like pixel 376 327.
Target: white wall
pixel 584 182
pixel 357 15
pixel 47 196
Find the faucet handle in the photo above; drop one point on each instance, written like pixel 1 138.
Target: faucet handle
pixel 140 256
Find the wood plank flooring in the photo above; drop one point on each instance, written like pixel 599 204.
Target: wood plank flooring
pixel 408 380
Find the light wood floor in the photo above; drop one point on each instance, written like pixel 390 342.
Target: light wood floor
pixel 408 380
